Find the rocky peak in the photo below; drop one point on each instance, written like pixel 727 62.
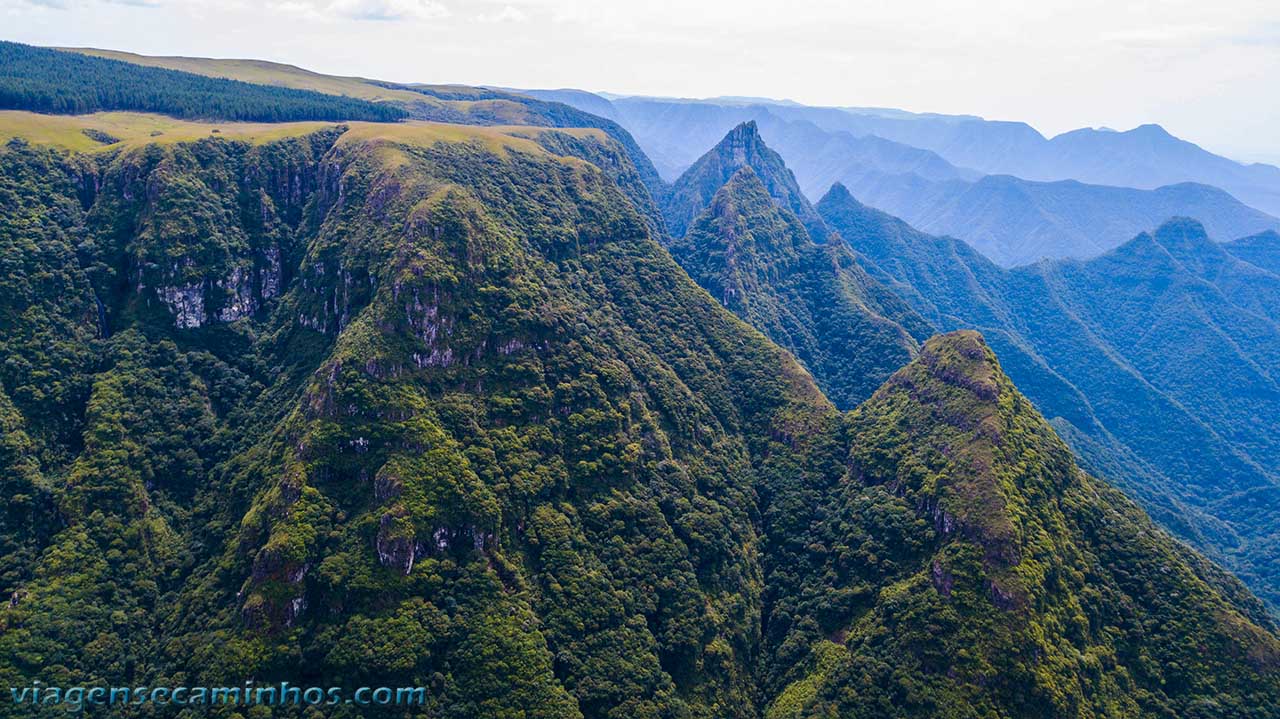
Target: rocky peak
pixel 741 144
pixel 741 147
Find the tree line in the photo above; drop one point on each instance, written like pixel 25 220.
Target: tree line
pixel 67 83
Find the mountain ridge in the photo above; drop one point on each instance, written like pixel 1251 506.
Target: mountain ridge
pixel 811 298
pixel 1084 340
pixel 694 189
pixel 1017 222
pixel 1014 220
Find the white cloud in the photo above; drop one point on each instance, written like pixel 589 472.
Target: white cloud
pixel 74 4
pixel 508 13
pixel 382 10
pixel 313 9
pixel 387 9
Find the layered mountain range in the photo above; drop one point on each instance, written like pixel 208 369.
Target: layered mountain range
pixel 444 405
pixel 1157 361
pixel 1145 157
pixel 1077 195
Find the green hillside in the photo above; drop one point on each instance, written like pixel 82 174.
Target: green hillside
pixel 1157 362
pixel 425 405
pixel 39 79
pixel 812 299
pixel 456 104
pixel 971 570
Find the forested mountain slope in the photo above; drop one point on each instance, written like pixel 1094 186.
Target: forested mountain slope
pixel 399 405
pixel 811 298
pixel 427 405
pixel 692 192
pixel 1156 361
pixel 441 103
pixel 1036 592
pixel 38 79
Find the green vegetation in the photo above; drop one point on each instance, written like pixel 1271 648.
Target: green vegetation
pixel 812 299
pixel 1157 362
pixel 967 568
pixel 456 104
pixel 261 72
pixel 91 133
pixel 420 456
pixel 430 404
pixel 692 192
pixel 51 81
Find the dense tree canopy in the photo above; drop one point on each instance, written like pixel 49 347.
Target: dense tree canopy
pixel 68 83
pixel 1158 362
pixel 353 407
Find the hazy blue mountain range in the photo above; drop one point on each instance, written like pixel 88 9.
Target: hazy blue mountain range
pixel 1015 221
pixel 1158 361
pixel 1010 219
pixel 675 133
pixel 1262 250
pixel 1144 157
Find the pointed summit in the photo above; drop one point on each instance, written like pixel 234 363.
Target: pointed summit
pixel 746 137
pixel 1037 566
pixel 838 191
pixel 914 263
pixel 813 299
pixel 742 147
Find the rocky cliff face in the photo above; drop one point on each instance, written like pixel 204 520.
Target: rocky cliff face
pixel 203 231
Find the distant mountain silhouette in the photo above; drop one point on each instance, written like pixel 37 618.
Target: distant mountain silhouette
pixel 1145 157
pixel 1262 250
pixel 928 169
pixel 1015 221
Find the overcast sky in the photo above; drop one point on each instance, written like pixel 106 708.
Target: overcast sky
pixel 1207 71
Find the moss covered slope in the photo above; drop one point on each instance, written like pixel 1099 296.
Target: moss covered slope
pixel 977 572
